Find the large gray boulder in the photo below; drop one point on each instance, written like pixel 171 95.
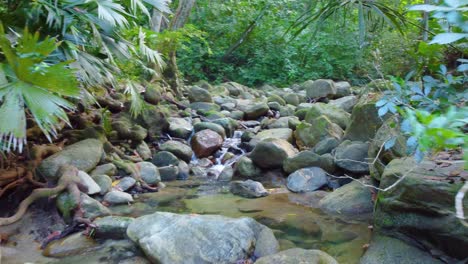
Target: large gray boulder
pixel 84 155
pixel 308 135
pixel 319 88
pixel 180 127
pixel 197 239
pixel 245 168
pixel 346 103
pixel 352 156
pixel 350 202
pixel 306 159
pixel 252 110
pixel 307 180
pixel 280 133
pixel 388 250
pixel 197 94
pixel 365 121
pixel 271 153
pixel 179 149
pixel 149 172
pixel 334 114
pixel 421 207
pixel 298 256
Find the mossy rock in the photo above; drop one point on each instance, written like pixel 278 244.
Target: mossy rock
pixel 335 114
pixel 308 135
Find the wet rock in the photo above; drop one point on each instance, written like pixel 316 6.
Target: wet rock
pixel 309 199
pixel 206 142
pixel 245 168
pixel 184 170
pixel 387 250
pixel 84 155
pixel 421 207
pixel 68 246
pixel 319 88
pixel 173 238
pixel 279 133
pixel 248 189
pixel 229 125
pixel 308 135
pixel 180 128
pixel 352 156
pixel 350 202
pixel 271 153
pixel 92 208
pixel 334 114
pixel 365 120
pixel 112 226
pixel 327 145
pixel 252 110
pixel 149 173
pixel 346 103
pixel 307 180
pixel 169 173
pixel 104 182
pixel 296 256
pixel 197 94
pixel 144 151
pixel 211 126
pixel 165 158
pixel 276 98
pixel 91 186
pixel 125 183
pixel 118 197
pixel 179 149
pixel 306 159
pixel 105 169
pixel 226 174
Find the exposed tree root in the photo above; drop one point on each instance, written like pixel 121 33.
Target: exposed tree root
pixel 130 168
pixel 68 180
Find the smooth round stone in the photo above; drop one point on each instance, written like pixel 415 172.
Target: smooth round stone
pixel 118 197
pixel 307 179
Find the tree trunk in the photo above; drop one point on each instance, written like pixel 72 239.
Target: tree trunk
pixel 156 20
pixel 178 21
pixel 426 23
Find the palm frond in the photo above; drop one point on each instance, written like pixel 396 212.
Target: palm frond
pixel 136 102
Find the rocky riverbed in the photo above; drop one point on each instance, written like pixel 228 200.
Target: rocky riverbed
pixel 246 175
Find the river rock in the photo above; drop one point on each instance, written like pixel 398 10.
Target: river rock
pixel 68 246
pixel 276 98
pixel 104 182
pixel 226 174
pixel 388 250
pixel 327 145
pixel 125 183
pixel 177 148
pixel 390 130
pixel 307 179
pixel 184 170
pixel 180 128
pixel 342 89
pixel 154 120
pixel 279 133
pixel 197 94
pixel 274 106
pixel 298 256
pixel 248 189
pixel 197 239
pixel 308 135
pixel 118 197
pixel 92 208
pixel 234 88
pixel 252 110
pixel 352 156
pixel 245 168
pixel 319 88
pixel 346 103
pixel 165 158
pixel 365 120
pixel 84 155
pixel 421 207
pixel 287 110
pixel 205 109
pixel 352 201
pixel 108 169
pixel 153 93
pixel 149 173
pixel 206 142
pixel 126 130
pixel 292 99
pixel 334 114
pixel 91 186
pixel 112 226
pixel 229 125
pixel 144 151
pixel 169 173
pixel 306 159
pixel 212 126
pixel 271 153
